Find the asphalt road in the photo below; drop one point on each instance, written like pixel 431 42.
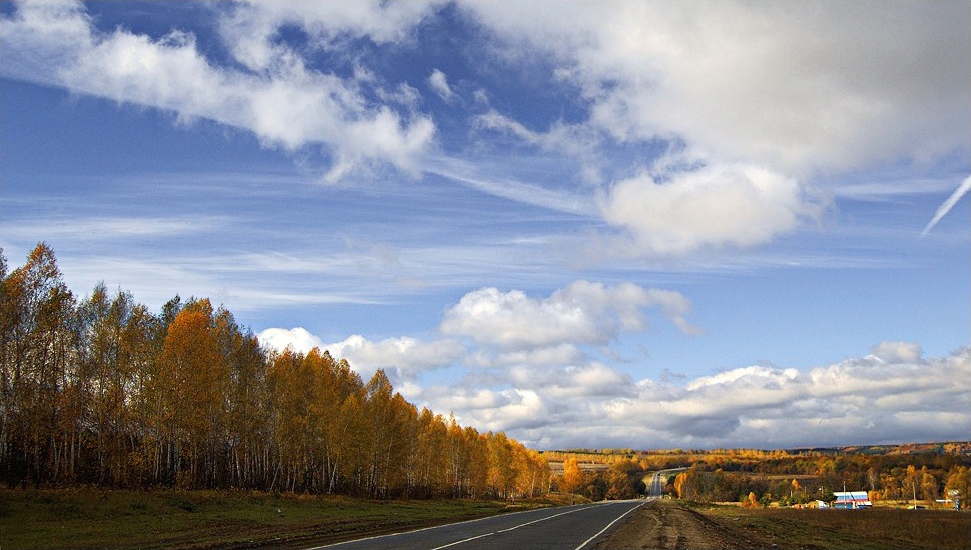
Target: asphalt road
pixel 655 488
pixel 565 528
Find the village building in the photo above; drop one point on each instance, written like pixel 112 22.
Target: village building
pixel 852 500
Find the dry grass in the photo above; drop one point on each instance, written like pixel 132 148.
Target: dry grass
pixel 97 518
pixel 874 529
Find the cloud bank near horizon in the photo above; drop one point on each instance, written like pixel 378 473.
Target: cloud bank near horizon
pixel 549 388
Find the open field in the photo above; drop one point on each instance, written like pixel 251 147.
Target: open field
pixel 96 518
pixel 676 524
pixel 876 529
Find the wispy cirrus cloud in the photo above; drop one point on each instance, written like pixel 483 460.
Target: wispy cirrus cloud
pixel 97 228
pixel 509 187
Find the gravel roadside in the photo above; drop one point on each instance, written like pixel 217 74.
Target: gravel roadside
pixel 664 524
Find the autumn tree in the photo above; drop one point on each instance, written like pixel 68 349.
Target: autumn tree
pixel 385 415
pixel 113 352
pixel 572 480
pixel 39 436
pixel 192 384
pixel 959 479
pixel 248 403
pixel 427 465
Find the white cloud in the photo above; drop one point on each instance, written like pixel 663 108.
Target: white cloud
pixel 298 339
pixel 946 207
pixel 739 206
pixel 821 85
pixel 581 313
pixel 505 410
pixel 112 228
pixel 556 397
pixel 897 352
pixel 574 381
pixel 281 100
pixel 898 397
pixel 551 355
pixel 439 84
pixel 404 357
pixel 251 27
pixel 787 92
pixel 470 175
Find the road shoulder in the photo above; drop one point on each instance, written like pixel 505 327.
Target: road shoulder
pixel 665 524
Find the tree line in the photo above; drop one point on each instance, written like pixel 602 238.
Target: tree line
pixel 622 480
pixel 927 472
pixel 103 391
pixel 896 477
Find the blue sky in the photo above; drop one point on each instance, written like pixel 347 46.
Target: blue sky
pixel 587 224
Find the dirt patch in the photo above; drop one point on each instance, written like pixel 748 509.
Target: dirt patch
pixel 667 525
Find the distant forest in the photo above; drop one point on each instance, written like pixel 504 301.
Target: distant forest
pixel 102 391
pixel 900 473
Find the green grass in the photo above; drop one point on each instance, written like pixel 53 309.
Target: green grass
pixel 98 518
pixel 875 529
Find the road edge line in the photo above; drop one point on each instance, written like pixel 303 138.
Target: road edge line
pixel 609 525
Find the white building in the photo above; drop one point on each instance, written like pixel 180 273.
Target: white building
pixel 852 500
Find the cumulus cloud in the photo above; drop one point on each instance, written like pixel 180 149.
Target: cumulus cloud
pixel 298 339
pixel 404 357
pixel 897 352
pixel 503 410
pixel 739 206
pixel 574 381
pixel 581 313
pixel 279 98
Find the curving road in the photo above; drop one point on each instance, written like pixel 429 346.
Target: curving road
pixel 565 528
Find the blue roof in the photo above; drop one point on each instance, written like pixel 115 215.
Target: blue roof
pixel 850 496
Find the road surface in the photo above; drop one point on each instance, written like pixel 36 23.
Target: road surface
pixel 565 528
pixel 655 488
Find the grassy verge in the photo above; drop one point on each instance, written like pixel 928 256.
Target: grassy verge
pixel 97 518
pixel 874 529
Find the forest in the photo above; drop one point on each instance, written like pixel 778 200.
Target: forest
pixel 896 473
pixel 101 391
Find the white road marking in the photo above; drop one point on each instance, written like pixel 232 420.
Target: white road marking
pixel 506 530
pixel 609 525
pixel 458 542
